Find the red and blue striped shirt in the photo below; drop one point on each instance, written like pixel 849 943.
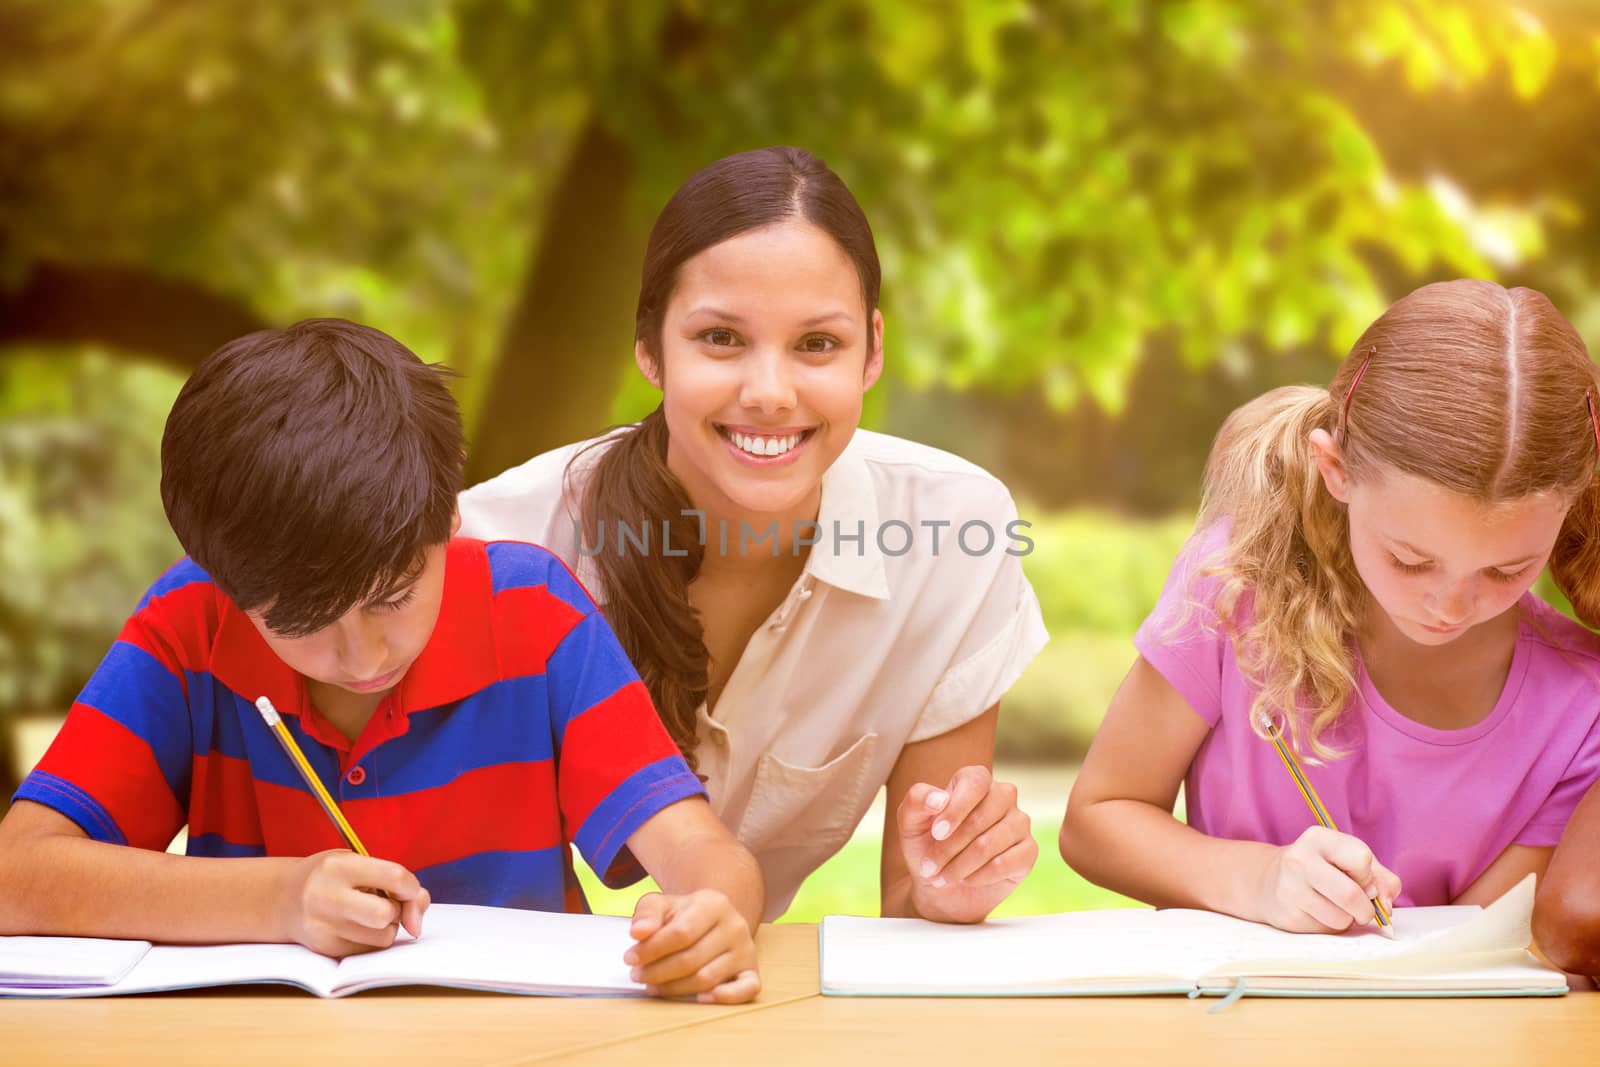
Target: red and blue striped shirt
pixel 521 727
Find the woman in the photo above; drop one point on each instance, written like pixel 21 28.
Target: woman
pixel 817 611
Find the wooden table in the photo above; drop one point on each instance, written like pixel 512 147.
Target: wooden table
pixel 249 1025
pixel 1173 1031
pixel 791 1024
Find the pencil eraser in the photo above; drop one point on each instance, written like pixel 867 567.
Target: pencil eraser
pixel 268 712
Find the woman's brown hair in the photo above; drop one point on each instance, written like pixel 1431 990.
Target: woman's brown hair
pixel 646 594
pixel 1482 390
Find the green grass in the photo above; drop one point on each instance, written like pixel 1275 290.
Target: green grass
pixel 848 885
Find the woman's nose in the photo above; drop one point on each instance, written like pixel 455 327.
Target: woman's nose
pixel 768 386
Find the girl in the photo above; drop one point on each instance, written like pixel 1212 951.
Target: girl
pixel 1360 578
pixel 816 610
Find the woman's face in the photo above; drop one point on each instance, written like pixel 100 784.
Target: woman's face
pixel 766 351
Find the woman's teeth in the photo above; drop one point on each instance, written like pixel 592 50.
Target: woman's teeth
pixel 757 445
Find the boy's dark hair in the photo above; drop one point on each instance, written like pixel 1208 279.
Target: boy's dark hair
pixel 308 469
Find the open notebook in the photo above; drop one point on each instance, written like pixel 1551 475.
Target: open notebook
pixel 503 950
pixel 1442 951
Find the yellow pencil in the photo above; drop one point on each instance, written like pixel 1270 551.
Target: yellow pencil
pixel 1314 802
pixel 286 740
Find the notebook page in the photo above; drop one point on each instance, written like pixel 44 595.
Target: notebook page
pixel 1033 953
pixel 507 949
pixel 1216 943
pixel 1430 941
pixel 45 962
pixel 195 966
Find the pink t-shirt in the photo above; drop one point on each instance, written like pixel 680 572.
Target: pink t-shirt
pixel 1435 806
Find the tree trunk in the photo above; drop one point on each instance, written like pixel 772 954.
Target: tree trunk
pixel 124 308
pixel 570 338
pixel 9 772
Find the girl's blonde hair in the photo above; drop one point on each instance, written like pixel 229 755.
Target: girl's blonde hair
pixel 1482 390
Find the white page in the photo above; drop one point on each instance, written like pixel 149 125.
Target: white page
pixel 45 962
pixel 1045 952
pixel 506 949
pixel 1217 943
pixel 1029 953
pixel 196 966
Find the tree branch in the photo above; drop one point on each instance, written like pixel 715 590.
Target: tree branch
pixel 124 308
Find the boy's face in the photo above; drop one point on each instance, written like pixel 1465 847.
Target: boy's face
pixel 368 649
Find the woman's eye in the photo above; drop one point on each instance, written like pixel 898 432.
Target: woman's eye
pixel 818 343
pixel 1408 568
pixel 720 337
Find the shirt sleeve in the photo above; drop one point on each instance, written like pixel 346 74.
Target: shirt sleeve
pixel 120 766
pixel 616 765
pixel 1182 637
pixel 1004 632
pixel 1545 828
pixel 535 502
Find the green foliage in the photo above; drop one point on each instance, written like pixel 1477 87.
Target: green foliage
pixel 81 528
pixel 1051 184
pixel 1052 712
pixel 1096 575
pixel 1097 572
pixel 304 157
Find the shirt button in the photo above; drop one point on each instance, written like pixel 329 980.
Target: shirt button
pixel 357 775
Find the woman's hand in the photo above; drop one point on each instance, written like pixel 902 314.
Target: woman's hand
pixel 966 845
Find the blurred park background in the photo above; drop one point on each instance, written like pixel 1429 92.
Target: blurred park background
pixel 1103 224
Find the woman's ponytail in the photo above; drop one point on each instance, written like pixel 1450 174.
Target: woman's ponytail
pixel 646 593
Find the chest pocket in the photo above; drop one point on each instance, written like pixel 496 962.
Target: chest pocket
pixel 811 807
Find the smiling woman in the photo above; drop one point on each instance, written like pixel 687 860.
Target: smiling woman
pixel 817 610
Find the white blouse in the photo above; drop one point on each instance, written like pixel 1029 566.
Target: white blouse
pixel 912 616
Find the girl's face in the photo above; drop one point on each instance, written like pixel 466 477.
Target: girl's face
pixel 1439 563
pixel 766 351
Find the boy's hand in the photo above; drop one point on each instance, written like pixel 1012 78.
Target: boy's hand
pixel 1323 883
pixel 967 845
pixel 329 903
pixel 696 943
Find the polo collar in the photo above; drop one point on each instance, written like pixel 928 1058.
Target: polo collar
pixel 458 660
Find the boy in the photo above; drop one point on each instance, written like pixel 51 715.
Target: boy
pixel 466 703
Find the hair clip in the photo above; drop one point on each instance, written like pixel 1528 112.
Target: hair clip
pixel 1594 419
pixel 1349 394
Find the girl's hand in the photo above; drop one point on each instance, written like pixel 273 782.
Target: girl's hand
pixel 1324 883
pixel 696 943
pixel 967 845
pixel 330 903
